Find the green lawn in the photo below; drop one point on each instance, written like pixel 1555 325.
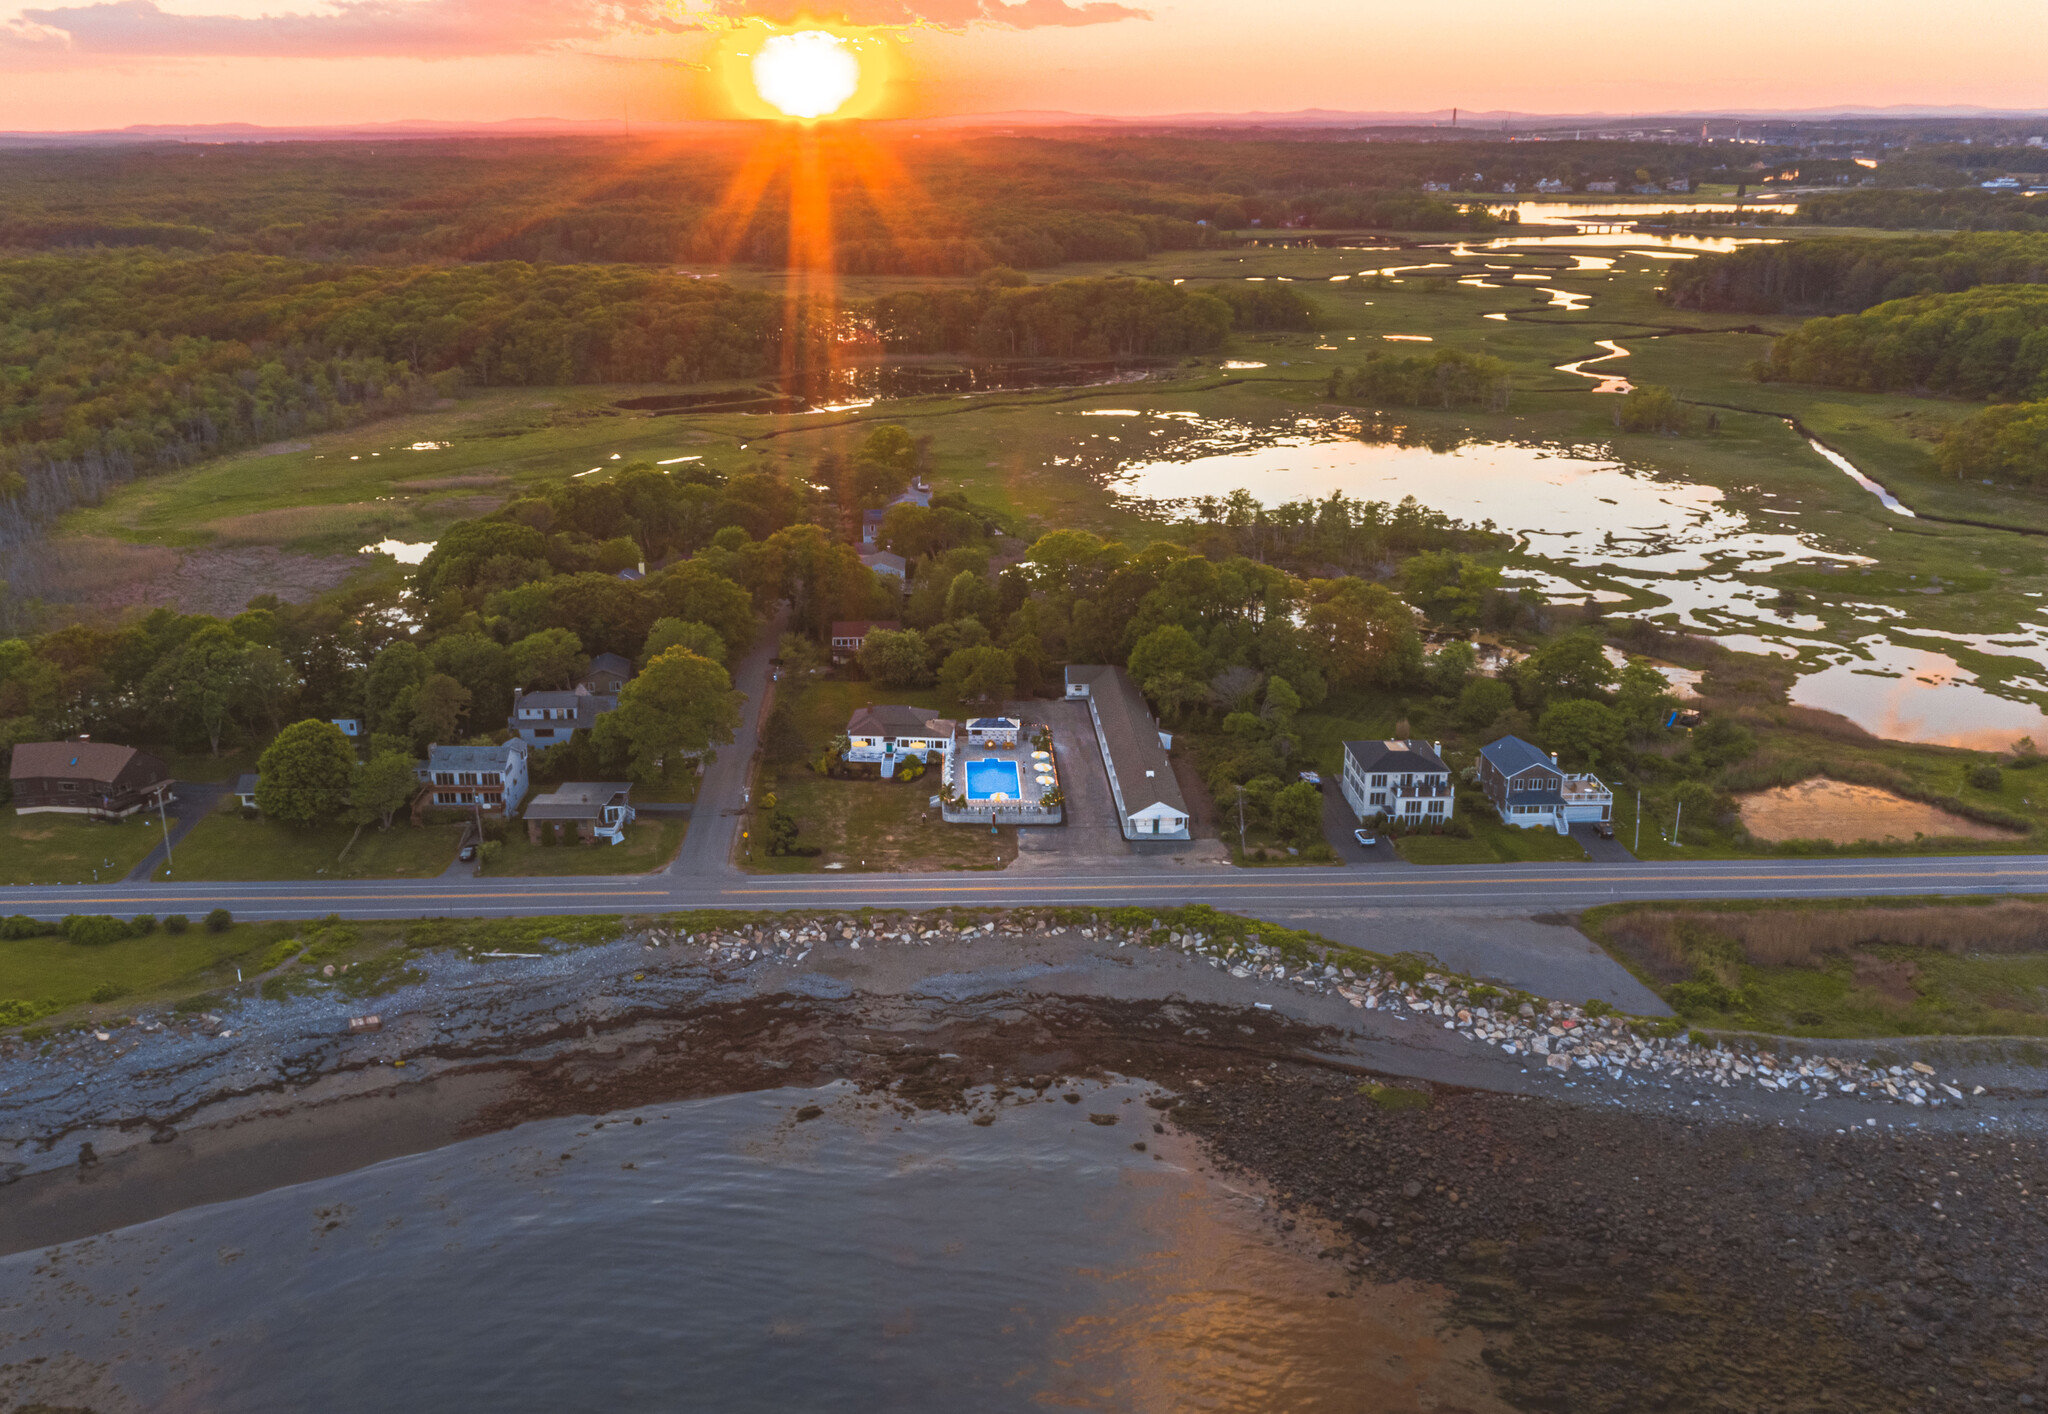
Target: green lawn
pixel 224 846
pixel 869 824
pixel 65 849
pixel 651 842
pixel 52 970
pixel 1491 843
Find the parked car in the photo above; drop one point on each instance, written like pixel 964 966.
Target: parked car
pixel 1365 838
pixel 1605 829
pixel 1314 778
pixel 468 854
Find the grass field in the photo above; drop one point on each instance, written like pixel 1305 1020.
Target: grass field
pixel 651 841
pixel 226 847
pixel 1841 968
pixel 130 972
pixel 64 849
pixel 869 825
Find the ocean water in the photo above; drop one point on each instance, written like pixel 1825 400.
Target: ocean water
pixel 726 1255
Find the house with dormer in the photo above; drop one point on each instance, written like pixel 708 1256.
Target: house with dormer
pixel 1400 780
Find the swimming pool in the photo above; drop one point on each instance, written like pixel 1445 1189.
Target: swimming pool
pixel 989 778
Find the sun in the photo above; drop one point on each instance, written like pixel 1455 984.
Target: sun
pixel 808 74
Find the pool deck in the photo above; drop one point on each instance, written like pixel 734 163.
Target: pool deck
pixel 1027 807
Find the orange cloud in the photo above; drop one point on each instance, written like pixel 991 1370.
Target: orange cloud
pixel 415 29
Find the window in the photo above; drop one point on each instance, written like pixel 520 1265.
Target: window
pixel 467 778
pixel 493 778
pixel 444 797
pixel 1414 807
pixel 67 785
pixel 543 731
pixel 444 778
pixel 1379 780
pixel 1436 807
pixel 1377 798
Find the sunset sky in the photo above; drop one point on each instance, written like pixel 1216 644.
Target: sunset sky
pixel 110 64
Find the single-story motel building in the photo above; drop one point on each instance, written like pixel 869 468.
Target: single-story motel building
pixel 1149 803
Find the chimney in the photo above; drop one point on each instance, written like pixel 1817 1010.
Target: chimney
pixel 1553 758
pixel 1437 747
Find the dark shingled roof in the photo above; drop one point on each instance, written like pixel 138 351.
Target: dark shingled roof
pixel 1395 757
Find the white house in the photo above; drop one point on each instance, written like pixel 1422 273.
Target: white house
pixel 1148 800
pixel 589 810
pixel 1530 791
pixel 351 727
pixel 547 718
pixel 488 778
pixel 887 735
pixel 1399 780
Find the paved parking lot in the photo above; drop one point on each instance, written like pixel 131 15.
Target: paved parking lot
pixel 1090 831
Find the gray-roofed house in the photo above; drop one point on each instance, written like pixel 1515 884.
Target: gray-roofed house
pixel 608 672
pixel 886 562
pixel 546 718
pixel 488 778
pixel 586 810
pixel 1531 791
pixel 890 733
pixel 1399 780
pixel 993 731
pixel 918 493
pixel 1149 803
pixel 245 789
pixel 96 779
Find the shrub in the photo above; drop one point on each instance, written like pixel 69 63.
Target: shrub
pixel 108 991
pixel 142 924
pixel 1985 776
pixel 176 923
pixel 20 1013
pixel 94 930
pixel 1649 408
pixel 23 926
pixel 219 921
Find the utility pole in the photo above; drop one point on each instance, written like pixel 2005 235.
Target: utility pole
pixel 1677 820
pixel 1240 819
pixel 1639 820
pixel 165 820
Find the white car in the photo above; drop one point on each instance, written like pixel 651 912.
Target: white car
pixel 1364 838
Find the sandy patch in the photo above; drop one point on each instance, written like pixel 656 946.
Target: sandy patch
pixel 108 576
pixel 281 449
pixel 1821 809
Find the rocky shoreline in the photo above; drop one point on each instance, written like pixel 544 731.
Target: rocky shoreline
pixel 1624 1236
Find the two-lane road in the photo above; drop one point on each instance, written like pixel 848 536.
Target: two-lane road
pixel 1531 887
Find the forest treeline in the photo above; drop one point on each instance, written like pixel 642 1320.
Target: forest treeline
pixel 1842 274
pixel 1987 342
pixel 934 207
pixel 1957 208
pixel 119 364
